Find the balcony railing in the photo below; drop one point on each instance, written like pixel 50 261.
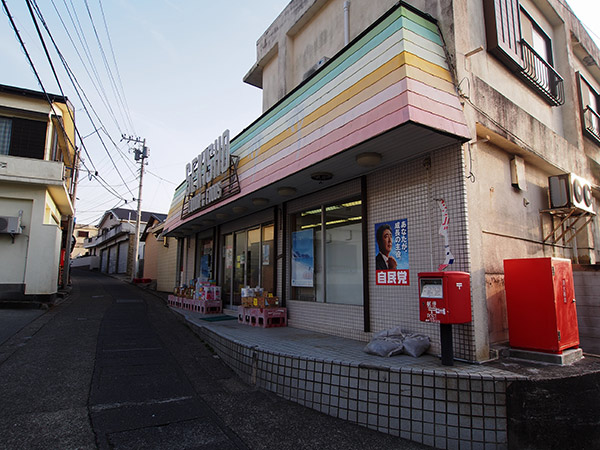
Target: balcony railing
pixel 543 76
pixel 122 228
pixel 592 122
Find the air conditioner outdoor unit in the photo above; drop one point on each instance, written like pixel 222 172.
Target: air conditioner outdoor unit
pixel 570 191
pixel 10 225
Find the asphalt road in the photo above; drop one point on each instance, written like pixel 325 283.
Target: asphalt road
pixel 113 367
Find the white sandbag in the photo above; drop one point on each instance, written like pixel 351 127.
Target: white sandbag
pixel 384 347
pixel 395 342
pixel 416 344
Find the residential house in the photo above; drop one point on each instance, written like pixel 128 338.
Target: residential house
pixel 115 241
pixel 81 234
pixel 37 181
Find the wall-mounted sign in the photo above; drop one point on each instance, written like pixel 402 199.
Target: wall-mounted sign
pixel 211 176
pixel 208 165
pixel 391 249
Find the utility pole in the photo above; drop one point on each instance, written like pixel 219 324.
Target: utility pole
pixel 71 223
pixel 140 155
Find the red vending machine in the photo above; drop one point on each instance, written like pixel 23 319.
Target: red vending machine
pixel 540 304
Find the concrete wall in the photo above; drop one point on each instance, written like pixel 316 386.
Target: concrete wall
pixel 14 254
pixel 87 262
pixel 167 264
pixel 151 255
pixel 587 294
pixel 33 259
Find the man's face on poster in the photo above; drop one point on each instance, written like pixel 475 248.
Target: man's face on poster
pixel 386 241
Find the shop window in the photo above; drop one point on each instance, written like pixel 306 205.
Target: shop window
pixel 326 256
pixel 204 259
pixel 247 259
pixel 515 38
pixel 227 267
pixel 267 264
pixel 590 108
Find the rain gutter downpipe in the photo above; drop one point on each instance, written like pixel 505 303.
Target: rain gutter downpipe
pixel 346 22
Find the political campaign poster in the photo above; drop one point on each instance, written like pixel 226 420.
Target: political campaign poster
pixel 391 250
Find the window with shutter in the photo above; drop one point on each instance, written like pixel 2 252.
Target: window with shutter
pixel 520 43
pixel 503 31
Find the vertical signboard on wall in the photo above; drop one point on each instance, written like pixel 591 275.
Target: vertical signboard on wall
pixel 303 258
pixel 391 249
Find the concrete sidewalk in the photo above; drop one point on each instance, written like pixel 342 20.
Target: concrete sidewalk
pixel 466 405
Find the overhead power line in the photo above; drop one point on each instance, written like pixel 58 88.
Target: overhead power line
pixel 69 73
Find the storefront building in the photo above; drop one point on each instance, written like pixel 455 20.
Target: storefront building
pixel 385 121
pixel 373 137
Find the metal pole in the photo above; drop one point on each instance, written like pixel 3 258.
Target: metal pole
pixel 136 251
pixel 446 342
pixel 71 222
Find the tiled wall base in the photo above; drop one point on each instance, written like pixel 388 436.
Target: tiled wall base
pixel 441 408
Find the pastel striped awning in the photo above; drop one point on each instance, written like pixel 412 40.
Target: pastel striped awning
pixel 393 74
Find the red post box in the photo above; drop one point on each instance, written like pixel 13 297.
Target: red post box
pixel 445 297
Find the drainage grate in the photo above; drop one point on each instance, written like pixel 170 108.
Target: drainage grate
pixel 129 300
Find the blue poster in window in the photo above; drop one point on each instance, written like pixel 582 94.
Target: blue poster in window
pixel 303 258
pixel 391 250
pixel 205 267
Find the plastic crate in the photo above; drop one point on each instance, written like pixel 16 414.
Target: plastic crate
pixel 171 300
pixel 267 317
pixel 210 306
pixel 241 314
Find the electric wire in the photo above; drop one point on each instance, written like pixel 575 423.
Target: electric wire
pixel 112 51
pixel 100 94
pixel 74 81
pixel 95 79
pixel 29 5
pixel 105 61
pixel 32 66
pixel 41 84
pixel 86 49
pixel 103 212
pixel 160 178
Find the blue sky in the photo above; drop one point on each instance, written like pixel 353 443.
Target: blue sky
pixel 180 64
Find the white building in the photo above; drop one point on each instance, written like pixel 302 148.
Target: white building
pixel 36 187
